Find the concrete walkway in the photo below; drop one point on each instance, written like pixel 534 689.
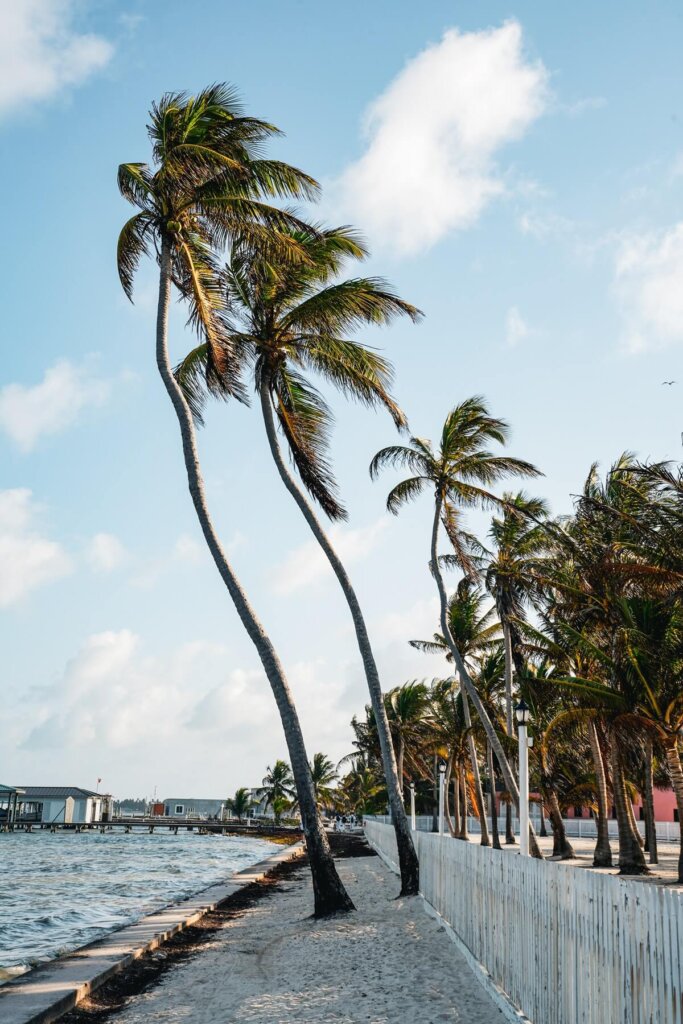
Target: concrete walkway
pixel 388 963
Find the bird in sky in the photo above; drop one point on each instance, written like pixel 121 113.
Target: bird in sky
pixel 668 382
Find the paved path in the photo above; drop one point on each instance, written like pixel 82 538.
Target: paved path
pixel 666 871
pixel 388 963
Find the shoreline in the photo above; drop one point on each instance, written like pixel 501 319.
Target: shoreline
pixel 272 961
pixel 47 992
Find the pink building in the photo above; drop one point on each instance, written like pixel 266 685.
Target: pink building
pixel 665 807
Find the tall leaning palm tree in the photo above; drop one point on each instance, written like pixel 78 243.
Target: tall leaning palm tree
pixel 460 474
pixel 206 185
pixel 289 318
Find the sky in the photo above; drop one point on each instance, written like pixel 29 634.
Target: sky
pixel 517 171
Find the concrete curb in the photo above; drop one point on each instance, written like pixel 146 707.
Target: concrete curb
pixel 48 992
pixel 508 1009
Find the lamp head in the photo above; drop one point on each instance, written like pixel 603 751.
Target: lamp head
pixel 522 712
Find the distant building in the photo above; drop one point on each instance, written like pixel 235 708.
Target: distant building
pixel 664 801
pixel 9 804
pixel 260 808
pixel 192 807
pixel 62 805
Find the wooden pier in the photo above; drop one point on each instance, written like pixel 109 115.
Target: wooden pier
pixel 161 824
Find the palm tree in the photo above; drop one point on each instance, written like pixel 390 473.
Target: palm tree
pixel 595 571
pixel 460 474
pixel 361 789
pixel 278 784
pixel 556 645
pixel 535 685
pixel 208 185
pixel 406 708
pixel 241 803
pixel 488 677
pixel 323 774
pixel 518 538
pixel 474 632
pixel 451 736
pixel 290 318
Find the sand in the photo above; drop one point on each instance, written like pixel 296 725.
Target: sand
pixel 388 963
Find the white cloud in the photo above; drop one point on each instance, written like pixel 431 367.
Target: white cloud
pixel 189 551
pixel 29 413
pixel 41 53
pixel 433 135
pixel 187 719
pixel 649 276
pixel 105 552
pixel 579 107
pixel 307 564
pixel 28 560
pixel 516 328
pixel 417 622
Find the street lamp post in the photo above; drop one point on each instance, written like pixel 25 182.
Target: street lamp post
pixel 442 773
pixel 523 715
pixel 412 806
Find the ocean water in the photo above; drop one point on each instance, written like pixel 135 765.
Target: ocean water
pixel 62 890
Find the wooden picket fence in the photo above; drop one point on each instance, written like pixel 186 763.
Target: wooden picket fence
pixel 567 945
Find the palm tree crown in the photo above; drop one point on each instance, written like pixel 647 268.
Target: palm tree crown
pixel 460 473
pixel 207 184
pixel 289 317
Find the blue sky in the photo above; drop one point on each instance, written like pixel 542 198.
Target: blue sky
pixel 518 172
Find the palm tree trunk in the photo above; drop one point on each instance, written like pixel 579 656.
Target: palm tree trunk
pixel 447 796
pixel 631 859
pixel 462 782
pixel 543 832
pixel 472 747
pixel 494 810
pixel 673 760
pixel 471 689
pixel 602 855
pixel 410 868
pixel 330 895
pixel 399 767
pixel 562 848
pixel 649 805
pixel 632 819
pixel 456 801
pixel 509 725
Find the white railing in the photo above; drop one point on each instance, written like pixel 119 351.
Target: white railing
pixel 566 946
pixel 667 831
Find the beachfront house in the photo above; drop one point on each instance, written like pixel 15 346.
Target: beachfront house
pixel 192 807
pixel 62 805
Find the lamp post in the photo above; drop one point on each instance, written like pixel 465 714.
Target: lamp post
pixel 523 714
pixel 412 806
pixel 442 773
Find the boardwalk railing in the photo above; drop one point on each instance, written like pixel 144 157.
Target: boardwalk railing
pixel 667 831
pixel 568 946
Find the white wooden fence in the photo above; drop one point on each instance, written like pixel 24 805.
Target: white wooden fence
pixel 667 831
pixel 568 946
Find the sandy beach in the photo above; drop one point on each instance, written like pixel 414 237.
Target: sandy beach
pixel 388 962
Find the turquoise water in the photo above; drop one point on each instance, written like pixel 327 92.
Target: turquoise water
pixel 62 890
